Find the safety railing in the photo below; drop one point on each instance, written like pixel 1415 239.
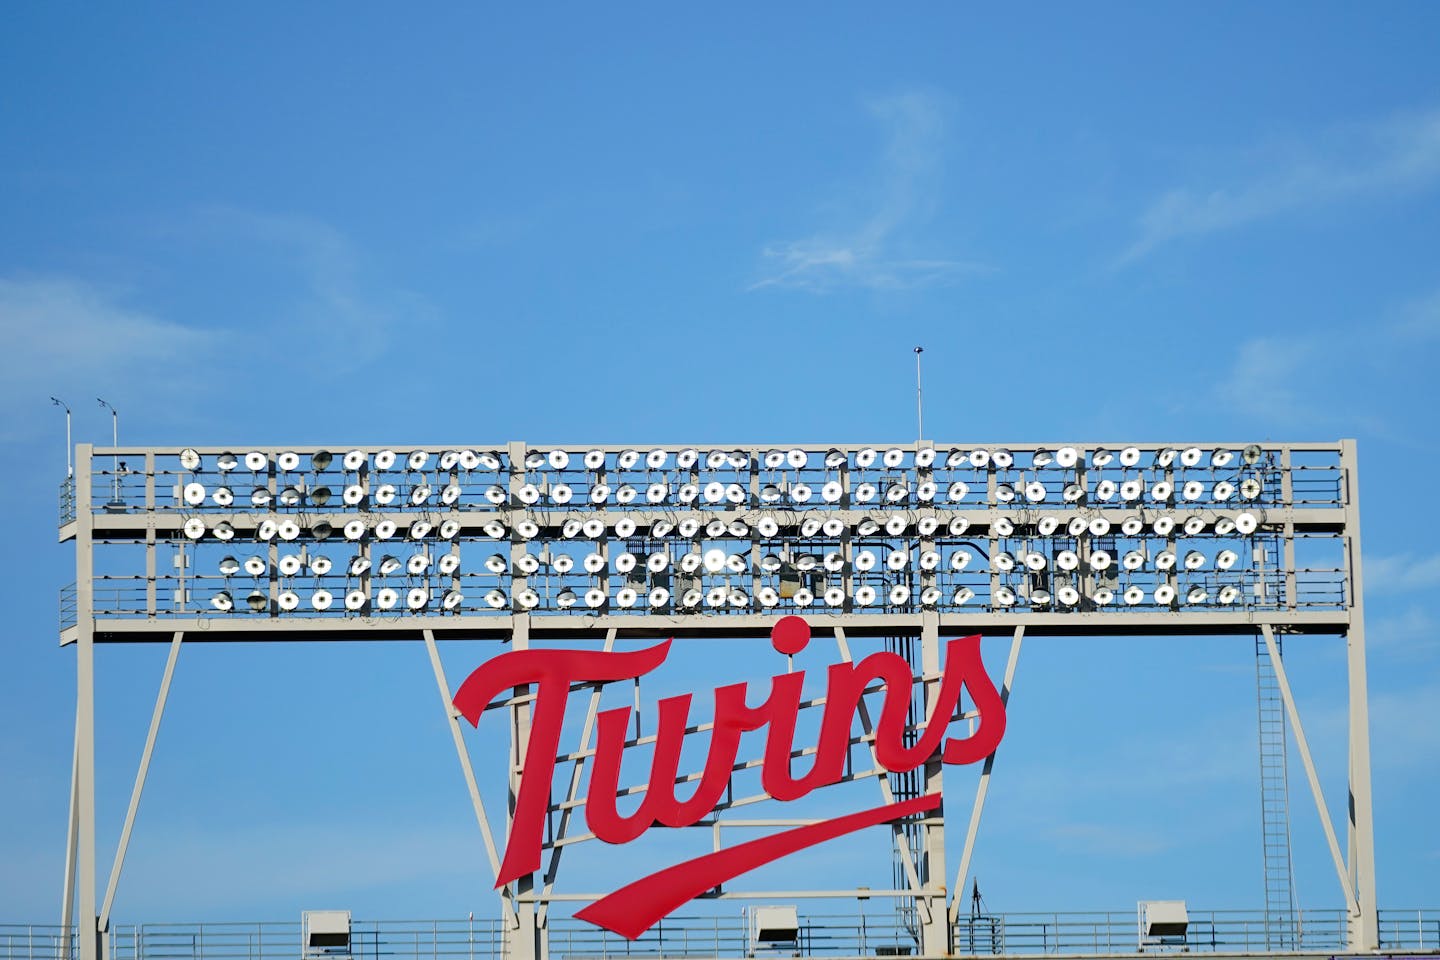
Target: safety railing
pixel 69 607
pixel 1321 932
pixel 67 501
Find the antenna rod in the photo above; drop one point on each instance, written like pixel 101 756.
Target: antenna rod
pixel 114 442
pixel 919 399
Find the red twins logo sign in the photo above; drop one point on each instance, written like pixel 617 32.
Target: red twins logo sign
pixel 634 908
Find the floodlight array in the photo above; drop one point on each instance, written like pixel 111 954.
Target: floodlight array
pixel 680 530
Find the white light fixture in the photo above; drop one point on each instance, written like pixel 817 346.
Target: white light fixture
pixel 1067 560
pixel 1068 595
pixel 627 459
pixel 1228 594
pixel 625 597
pixel 1250 488
pixel 1246 523
pixel 359 565
pixel 1077 526
pixel 864 596
pixel 594 459
pixel 1100 560
pixel 194 528
pixel 1035 491
pixel 1221 458
pixel 256 566
pixel 959 560
pixel 288 529
pixel 385 529
pixel 1099 526
pixel 1165 560
pixel 1162 490
pixel 387 598
pixel 448 564
pixel 1193 490
pixel 1067 457
pixel 801 493
pixel 1129 456
pixel 1226 559
pixel 897 560
pixel 1133 560
pixel 420 529
pixel 1164 594
pixel 1131 526
pixel 222 601
pixel 1003 459
pixel 1002 563
pixel 899 595
pixel 288 460
pixel 1163 525
pixel 1191 456
pixel 226 462
pixel 1194 525
pixel 1103 597
pixel 1039 598
pixel 1042 459
pixel 527 563
pixel 1004 493
pixel 1196 594
pixel 289 600
pixel 257 601
pixel 895 524
pixel 595 598
pixel 963 596
pixel 527 599
pixel 356 600
pixel 321 599
pixel 1133 596
pixel 1004 597
pixel 1224 527
pixel 388 565
pixel 1035 561
pixel 495 599
pixel 320 565
pixel 1003 526
pixel 624 527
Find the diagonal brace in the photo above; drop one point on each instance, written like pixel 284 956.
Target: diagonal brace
pixel 104 922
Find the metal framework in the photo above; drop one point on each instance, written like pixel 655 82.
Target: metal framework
pixel 603 544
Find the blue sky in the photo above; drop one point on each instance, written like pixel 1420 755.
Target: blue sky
pixel 580 224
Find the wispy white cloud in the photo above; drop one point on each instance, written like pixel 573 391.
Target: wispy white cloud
pixel 1291 380
pixel 334 296
pixel 1398 155
pixel 1401 573
pixel 875 252
pixel 69 338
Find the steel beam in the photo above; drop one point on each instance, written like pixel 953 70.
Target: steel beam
pixel 1364 932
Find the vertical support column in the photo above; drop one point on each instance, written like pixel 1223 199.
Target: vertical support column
pixel 87 931
pixel 527 938
pixel 935 920
pixel 1364 928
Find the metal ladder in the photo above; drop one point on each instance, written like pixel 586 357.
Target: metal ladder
pixel 1281 913
pixel 907 786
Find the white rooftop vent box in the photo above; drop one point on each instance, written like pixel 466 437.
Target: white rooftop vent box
pixel 326 931
pixel 774 925
pixel 1162 921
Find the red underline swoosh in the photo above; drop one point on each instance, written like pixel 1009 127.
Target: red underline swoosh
pixel 636 907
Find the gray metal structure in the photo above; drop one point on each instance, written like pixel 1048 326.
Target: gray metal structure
pixel 597 544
